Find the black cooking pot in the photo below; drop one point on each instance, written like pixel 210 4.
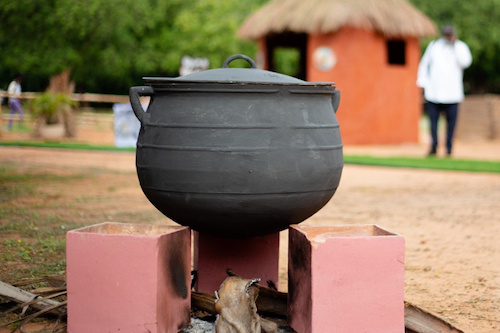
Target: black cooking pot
pixel 236 152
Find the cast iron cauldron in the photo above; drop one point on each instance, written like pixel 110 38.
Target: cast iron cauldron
pixel 238 152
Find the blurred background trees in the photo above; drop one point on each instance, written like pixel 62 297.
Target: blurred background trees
pixel 108 45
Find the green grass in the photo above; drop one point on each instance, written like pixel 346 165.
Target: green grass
pixel 38 206
pixel 450 164
pixel 62 145
pixel 32 234
pixel 14 184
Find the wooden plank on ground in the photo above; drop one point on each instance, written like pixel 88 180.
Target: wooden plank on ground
pixel 21 296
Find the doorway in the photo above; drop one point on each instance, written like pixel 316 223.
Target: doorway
pixel 287 54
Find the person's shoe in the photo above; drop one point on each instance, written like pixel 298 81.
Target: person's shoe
pixel 432 153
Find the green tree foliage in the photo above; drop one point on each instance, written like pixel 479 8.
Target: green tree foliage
pixel 43 38
pixel 476 23
pixel 110 44
pixel 214 34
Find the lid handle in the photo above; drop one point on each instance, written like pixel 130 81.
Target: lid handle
pixel 239 56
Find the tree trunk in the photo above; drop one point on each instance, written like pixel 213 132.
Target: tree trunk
pixel 61 83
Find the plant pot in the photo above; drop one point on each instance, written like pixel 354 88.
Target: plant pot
pixel 52 131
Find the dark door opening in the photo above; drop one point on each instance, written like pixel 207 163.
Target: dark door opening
pixel 396 52
pixel 287 54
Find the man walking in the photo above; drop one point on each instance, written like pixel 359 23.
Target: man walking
pixel 440 74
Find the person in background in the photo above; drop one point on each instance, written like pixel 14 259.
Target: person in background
pixel 14 92
pixel 440 74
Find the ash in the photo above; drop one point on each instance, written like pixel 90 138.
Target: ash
pixel 200 326
pixel 203 326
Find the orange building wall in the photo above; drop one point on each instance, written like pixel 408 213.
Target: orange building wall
pixel 380 103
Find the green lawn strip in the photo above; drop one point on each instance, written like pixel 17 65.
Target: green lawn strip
pixel 450 164
pixel 62 145
pixel 435 163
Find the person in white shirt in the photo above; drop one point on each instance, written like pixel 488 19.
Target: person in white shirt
pixel 14 92
pixel 440 74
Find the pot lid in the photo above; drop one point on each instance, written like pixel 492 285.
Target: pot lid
pixel 238 75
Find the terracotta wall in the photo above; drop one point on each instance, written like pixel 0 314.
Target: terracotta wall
pixel 380 103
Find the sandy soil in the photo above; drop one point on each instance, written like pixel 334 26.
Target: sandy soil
pixel 450 221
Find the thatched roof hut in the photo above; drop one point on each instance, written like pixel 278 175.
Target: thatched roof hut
pixel 370 48
pixel 391 18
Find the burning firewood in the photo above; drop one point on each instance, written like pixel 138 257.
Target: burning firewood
pixel 274 303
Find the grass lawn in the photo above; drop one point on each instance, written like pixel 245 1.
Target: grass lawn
pixel 450 164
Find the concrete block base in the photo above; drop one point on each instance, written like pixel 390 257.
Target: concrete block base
pixel 250 258
pixel 128 278
pixel 345 279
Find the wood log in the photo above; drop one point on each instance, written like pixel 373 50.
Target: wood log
pixel 21 296
pixel 273 303
pixel 203 301
pixel 418 320
pixel 270 301
pixel 206 302
pixel 47 290
pixel 29 318
pixel 25 305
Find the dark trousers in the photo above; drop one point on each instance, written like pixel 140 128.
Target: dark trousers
pixel 451 112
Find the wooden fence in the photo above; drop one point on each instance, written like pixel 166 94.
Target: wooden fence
pixel 86 119
pixel 479 118
pixel 85 97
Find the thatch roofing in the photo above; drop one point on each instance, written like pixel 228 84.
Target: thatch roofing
pixel 391 18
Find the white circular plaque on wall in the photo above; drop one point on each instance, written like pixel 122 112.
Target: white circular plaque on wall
pixel 324 58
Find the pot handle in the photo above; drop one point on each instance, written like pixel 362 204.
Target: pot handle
pixel 134 94
pixel 239 56
pixel 336 100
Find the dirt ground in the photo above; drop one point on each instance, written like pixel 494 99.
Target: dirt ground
pixel 450 220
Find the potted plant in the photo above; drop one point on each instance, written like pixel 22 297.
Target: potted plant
pixel 49 110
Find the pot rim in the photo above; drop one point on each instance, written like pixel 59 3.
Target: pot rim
pixel 242 76
pixel 166 80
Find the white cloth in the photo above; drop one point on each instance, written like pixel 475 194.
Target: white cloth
pixel 14 89
pixel 440 71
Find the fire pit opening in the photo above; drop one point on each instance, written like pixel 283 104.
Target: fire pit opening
pixel 115 228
